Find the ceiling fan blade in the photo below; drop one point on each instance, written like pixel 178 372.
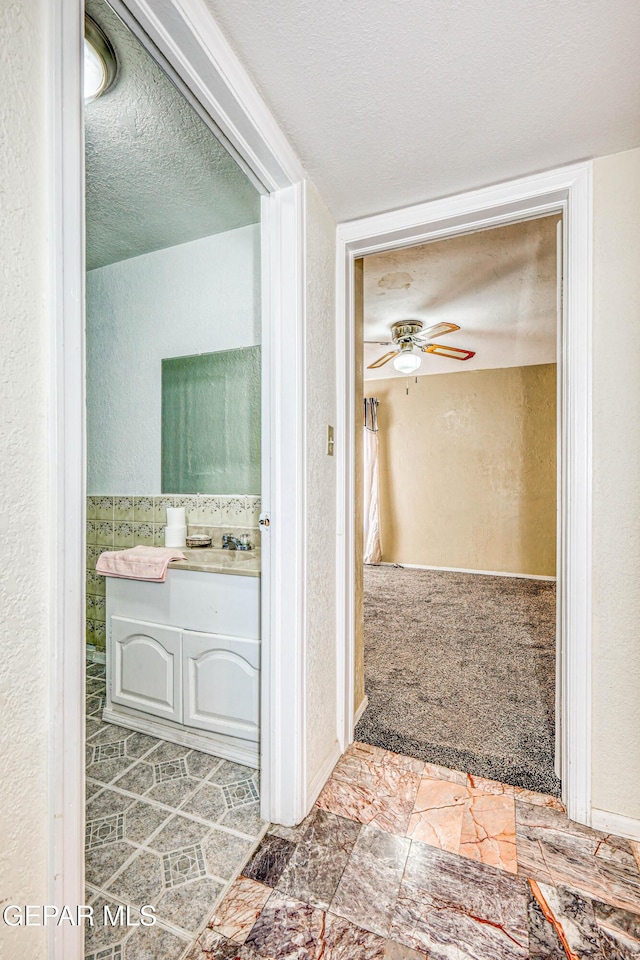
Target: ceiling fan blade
pixel 383 359
pixel 437 330
pixel 381 343
pixel 454 353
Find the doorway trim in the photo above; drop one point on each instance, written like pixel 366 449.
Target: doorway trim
pixel 184 34
pixel 566 190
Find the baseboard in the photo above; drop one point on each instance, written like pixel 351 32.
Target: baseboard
pixel 323 774
pixel 361 709
pixel 485 573
pixel 229 748
pixel 621 826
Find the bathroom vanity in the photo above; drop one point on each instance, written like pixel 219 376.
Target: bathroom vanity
pixel 183 656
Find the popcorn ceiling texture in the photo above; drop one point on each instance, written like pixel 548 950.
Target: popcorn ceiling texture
pixel 23 471
pixel 156 176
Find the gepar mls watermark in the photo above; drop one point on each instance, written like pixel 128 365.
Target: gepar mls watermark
pixel 48 915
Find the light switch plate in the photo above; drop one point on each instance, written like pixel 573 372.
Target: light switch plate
pixel 330 441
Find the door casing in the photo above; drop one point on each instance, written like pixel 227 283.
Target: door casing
pixel 567 191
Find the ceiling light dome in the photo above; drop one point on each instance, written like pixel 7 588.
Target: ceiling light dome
pixel 100 65
pixel 407 361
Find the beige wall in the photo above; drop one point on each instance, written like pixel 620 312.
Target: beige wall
pixel 468 469
pixel 24 364
pixel 616 484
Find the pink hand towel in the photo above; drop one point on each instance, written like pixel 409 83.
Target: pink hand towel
pixel 138 563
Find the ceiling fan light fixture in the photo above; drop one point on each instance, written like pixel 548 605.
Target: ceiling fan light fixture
pixel 407 361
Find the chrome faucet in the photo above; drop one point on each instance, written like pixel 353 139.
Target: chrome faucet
pixel 229 542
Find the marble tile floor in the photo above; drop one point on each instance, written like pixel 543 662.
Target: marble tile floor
pixel 401 860
pixel 165 825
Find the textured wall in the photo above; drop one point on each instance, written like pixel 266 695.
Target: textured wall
pixel 23 470
pixel 468 469
pixel 616 484
pixel 193 298
pixel 321 484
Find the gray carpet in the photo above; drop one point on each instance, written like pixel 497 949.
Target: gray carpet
pixel 460 671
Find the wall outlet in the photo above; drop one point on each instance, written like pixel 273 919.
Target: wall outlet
pixel 330 441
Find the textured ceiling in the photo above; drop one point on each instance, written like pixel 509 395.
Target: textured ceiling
pixel 499 286
pixel 156 175
pixel 390 102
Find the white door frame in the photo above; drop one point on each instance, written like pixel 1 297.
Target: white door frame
pixel 182 32
pixel 568 191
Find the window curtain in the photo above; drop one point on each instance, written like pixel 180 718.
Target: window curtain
pixel 372 540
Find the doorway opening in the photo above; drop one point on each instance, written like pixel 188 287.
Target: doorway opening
pixel 565 192
pixel 174 483
pixel 459 502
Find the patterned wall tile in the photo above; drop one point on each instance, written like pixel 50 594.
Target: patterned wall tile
pixel 254 506
pixel 99 635
pixel 90 606
pixel 123 508
pixel 91 531
pixel 191 507
pixel 103 508
pixel 99 609
pixel 143 533
pixel 143 509
pixel 91 508
pixel 160 505
pixel 123 534
pixel 158 534
pixel 89 633
pixel 104 533
pixel 210 511
pixel 234 511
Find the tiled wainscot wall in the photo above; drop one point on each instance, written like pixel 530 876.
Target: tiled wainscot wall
pixel 114 523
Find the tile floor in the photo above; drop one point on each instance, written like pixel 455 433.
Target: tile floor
pixel 401 860
pixel 166 826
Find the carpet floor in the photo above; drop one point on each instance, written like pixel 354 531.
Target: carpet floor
pixel 460 671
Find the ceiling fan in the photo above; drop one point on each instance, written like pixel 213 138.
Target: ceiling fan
pixel 407 334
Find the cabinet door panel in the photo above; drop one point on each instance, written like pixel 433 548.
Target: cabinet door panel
pixel 222 684
pixel 145 667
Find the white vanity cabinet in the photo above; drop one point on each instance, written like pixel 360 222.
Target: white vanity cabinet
pixel 145 667
pixel 221 684
pixel 183 660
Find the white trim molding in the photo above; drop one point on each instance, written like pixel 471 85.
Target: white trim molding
pixel 283 717
pixel 566 190
pixel 621 826
pixel 67 471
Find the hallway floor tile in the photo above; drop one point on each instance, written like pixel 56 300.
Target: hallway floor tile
pixel 401 860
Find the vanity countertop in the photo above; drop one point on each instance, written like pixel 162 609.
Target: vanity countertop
pixel 240 563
